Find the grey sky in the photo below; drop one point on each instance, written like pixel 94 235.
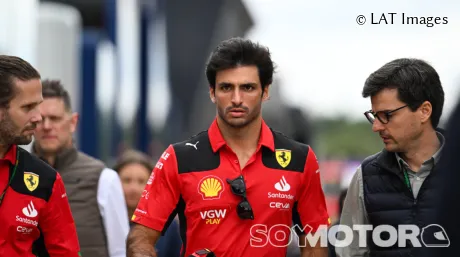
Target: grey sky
pixel 324 56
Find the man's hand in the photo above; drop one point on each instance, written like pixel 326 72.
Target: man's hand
pixel 141 242
pixel 311 251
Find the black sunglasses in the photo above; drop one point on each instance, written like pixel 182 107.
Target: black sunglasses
pixel 382 116
pixel 238 187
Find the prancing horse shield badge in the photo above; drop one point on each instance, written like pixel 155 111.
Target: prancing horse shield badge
pixel 283 157
pixel 31 180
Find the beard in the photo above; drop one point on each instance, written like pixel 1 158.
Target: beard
pixel 238 122
pixel 11 134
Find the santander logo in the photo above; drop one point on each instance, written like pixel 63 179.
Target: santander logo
pixel 30 211
pixel 282 185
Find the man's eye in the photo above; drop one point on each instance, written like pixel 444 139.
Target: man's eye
pixel 28 107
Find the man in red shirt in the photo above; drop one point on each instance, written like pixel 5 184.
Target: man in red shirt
pixel 238 186
pixel 35 217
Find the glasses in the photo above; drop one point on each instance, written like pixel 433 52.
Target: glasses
pixel 238 188
pixel 382 116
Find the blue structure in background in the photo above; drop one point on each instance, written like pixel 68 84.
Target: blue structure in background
pixel 196 25
pixel 89 111
pixel 143 136
pixel 110 27
pixel 88 142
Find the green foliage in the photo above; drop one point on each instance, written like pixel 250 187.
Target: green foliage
pixel 342 139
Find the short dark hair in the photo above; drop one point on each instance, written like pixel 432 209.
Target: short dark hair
pixel 416 82
pixel 55 89
pixel 236 52
pixel 11 68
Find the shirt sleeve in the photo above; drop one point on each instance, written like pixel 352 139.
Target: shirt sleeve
pixel 161 194
pixel 310 211
pixel 114 213
pixel 57 224
pixel 353 212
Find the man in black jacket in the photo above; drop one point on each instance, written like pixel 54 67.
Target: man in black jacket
pixel 398 185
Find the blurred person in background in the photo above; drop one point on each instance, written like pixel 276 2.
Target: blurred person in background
pixel 134 169
pixel 447 215
pixel 35 216
pixel 398 185
pixel 218 180
pixel 94 191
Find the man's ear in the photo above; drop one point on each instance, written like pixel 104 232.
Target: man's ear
pixel 212 94
pixel 74 122
pixel 266 93
pixel 425 111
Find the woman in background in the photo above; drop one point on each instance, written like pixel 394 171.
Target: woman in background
pixel 134 169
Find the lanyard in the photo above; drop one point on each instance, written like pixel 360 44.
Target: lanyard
pixel 12 176
pixel 406 179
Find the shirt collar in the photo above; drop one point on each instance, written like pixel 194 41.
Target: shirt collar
pixel 217 140
pixel 436 156
pixel 11 155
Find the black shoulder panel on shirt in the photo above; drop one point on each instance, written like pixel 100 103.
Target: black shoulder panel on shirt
pixel 33 176
pixel 195 154
pixel 288 153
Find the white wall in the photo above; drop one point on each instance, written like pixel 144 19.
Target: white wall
pixel 59 46
pixel 18 29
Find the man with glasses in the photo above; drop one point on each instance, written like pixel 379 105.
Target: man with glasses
pixel 238 186
pixel 35 216
pixel 398 185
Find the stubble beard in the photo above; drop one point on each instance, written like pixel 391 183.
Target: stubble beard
pixel 9 133
pixel 237 123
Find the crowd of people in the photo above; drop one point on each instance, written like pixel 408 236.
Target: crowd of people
pixel 228 190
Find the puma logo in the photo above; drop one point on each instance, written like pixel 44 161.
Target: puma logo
pixel 194 145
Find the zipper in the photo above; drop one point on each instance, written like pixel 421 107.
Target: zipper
pixel 407 191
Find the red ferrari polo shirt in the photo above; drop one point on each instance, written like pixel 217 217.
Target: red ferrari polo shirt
pixel 190 179
pixel 35 216
pixel 5 163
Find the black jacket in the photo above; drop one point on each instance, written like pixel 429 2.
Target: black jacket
pixel 389 201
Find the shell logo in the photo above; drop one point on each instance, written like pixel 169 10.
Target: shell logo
pixel 211 187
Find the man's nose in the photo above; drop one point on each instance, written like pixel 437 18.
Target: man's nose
pixel 237 99
pixel 37 117
pixel 45 123
pixel 377 126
